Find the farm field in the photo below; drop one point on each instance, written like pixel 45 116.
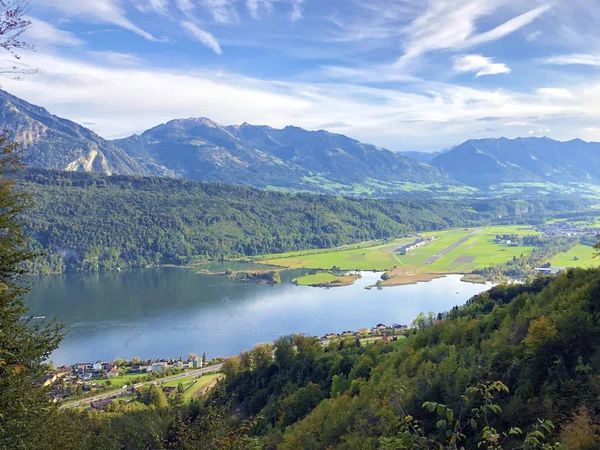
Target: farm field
pixel 477 251
pixel 584 253
pixel 378 257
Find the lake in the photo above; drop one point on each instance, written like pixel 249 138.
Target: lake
pixel 170 312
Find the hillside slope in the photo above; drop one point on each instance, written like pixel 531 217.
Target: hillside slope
pixel 517 367
pixel 486 162
pixel 85 221
pixel 53 143
pixel 260 156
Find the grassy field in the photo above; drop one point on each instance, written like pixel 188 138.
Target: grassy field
pixel 175 383
pixel 475 249
pixel 192 391
pixel 122 380
pixel 583 252
pixel 370 256
pixel 323 279
pixel 478 251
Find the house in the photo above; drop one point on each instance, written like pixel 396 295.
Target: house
pixel 97 366
pixel 387 338
pixel 86 376
pixel 549 270
pixel 196 363
pixel 101 404
pixel 159 367
pixel 113 372
pixel 62 372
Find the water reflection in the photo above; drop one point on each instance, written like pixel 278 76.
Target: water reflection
pixel 169 312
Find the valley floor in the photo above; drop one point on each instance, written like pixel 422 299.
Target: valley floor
pixel 455 251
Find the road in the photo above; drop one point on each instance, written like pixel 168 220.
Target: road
pixel 191 373
pixel 437 256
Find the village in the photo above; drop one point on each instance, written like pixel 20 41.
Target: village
pixel 82 380
pixel 380 331
pixel 570 229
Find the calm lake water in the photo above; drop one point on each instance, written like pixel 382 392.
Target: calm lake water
pixel 170 312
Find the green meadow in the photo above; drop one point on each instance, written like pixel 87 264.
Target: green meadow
pixel 584 255
pixel 476 252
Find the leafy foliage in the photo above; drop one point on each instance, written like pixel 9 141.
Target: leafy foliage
pixel 91 222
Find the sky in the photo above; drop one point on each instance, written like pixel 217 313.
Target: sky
pixel 402 74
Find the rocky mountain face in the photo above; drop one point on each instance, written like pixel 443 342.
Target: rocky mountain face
pixel 292 158
pixel 486 162
pixel 53 143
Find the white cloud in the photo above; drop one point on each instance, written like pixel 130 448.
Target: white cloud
pixel 222 11
pixel 118 59
pixel 44 33
pixel 103 11
pixel 256 7
pixel 297 10
pixel 508 27
pixel 157 6
pixel 575 59
pixel 185 5
pixel 592 129
pixel 480 64
pixel 556 93
pixel 424 115
pixel 451 24
pixel 203 36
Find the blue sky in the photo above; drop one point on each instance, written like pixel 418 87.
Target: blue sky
pixel 402 74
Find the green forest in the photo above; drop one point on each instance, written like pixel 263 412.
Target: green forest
pixel 517 367
pixel 91 222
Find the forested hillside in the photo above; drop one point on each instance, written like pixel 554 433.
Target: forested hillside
pixel 515 368
pixel 86 221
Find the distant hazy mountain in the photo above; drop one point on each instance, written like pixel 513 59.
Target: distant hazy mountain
pixel 54 143
pixel 486 162
pixel 425 157
pixel 260 156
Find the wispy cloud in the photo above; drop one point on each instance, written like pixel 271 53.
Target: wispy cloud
pixel 452 25
pixel 157 6
pixel 203 36
pixel 297 10
pixel 43 33
pixel 508 27
pixel 556 93
pixel 222 11
pixel 258 7
pixel 431 115
pixel 118 59
pixel 103 11
pixel 480 64
pixel 574 59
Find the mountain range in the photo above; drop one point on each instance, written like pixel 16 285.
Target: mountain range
pixel 486 162
pixel 294 159
pixel 200 149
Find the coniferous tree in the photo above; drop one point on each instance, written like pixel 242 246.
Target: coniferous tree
pixel 25 344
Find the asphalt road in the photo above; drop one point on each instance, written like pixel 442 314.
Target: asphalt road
pixel 437 256
pixel 192 373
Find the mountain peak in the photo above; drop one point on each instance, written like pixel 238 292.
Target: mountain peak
pixel 193 121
